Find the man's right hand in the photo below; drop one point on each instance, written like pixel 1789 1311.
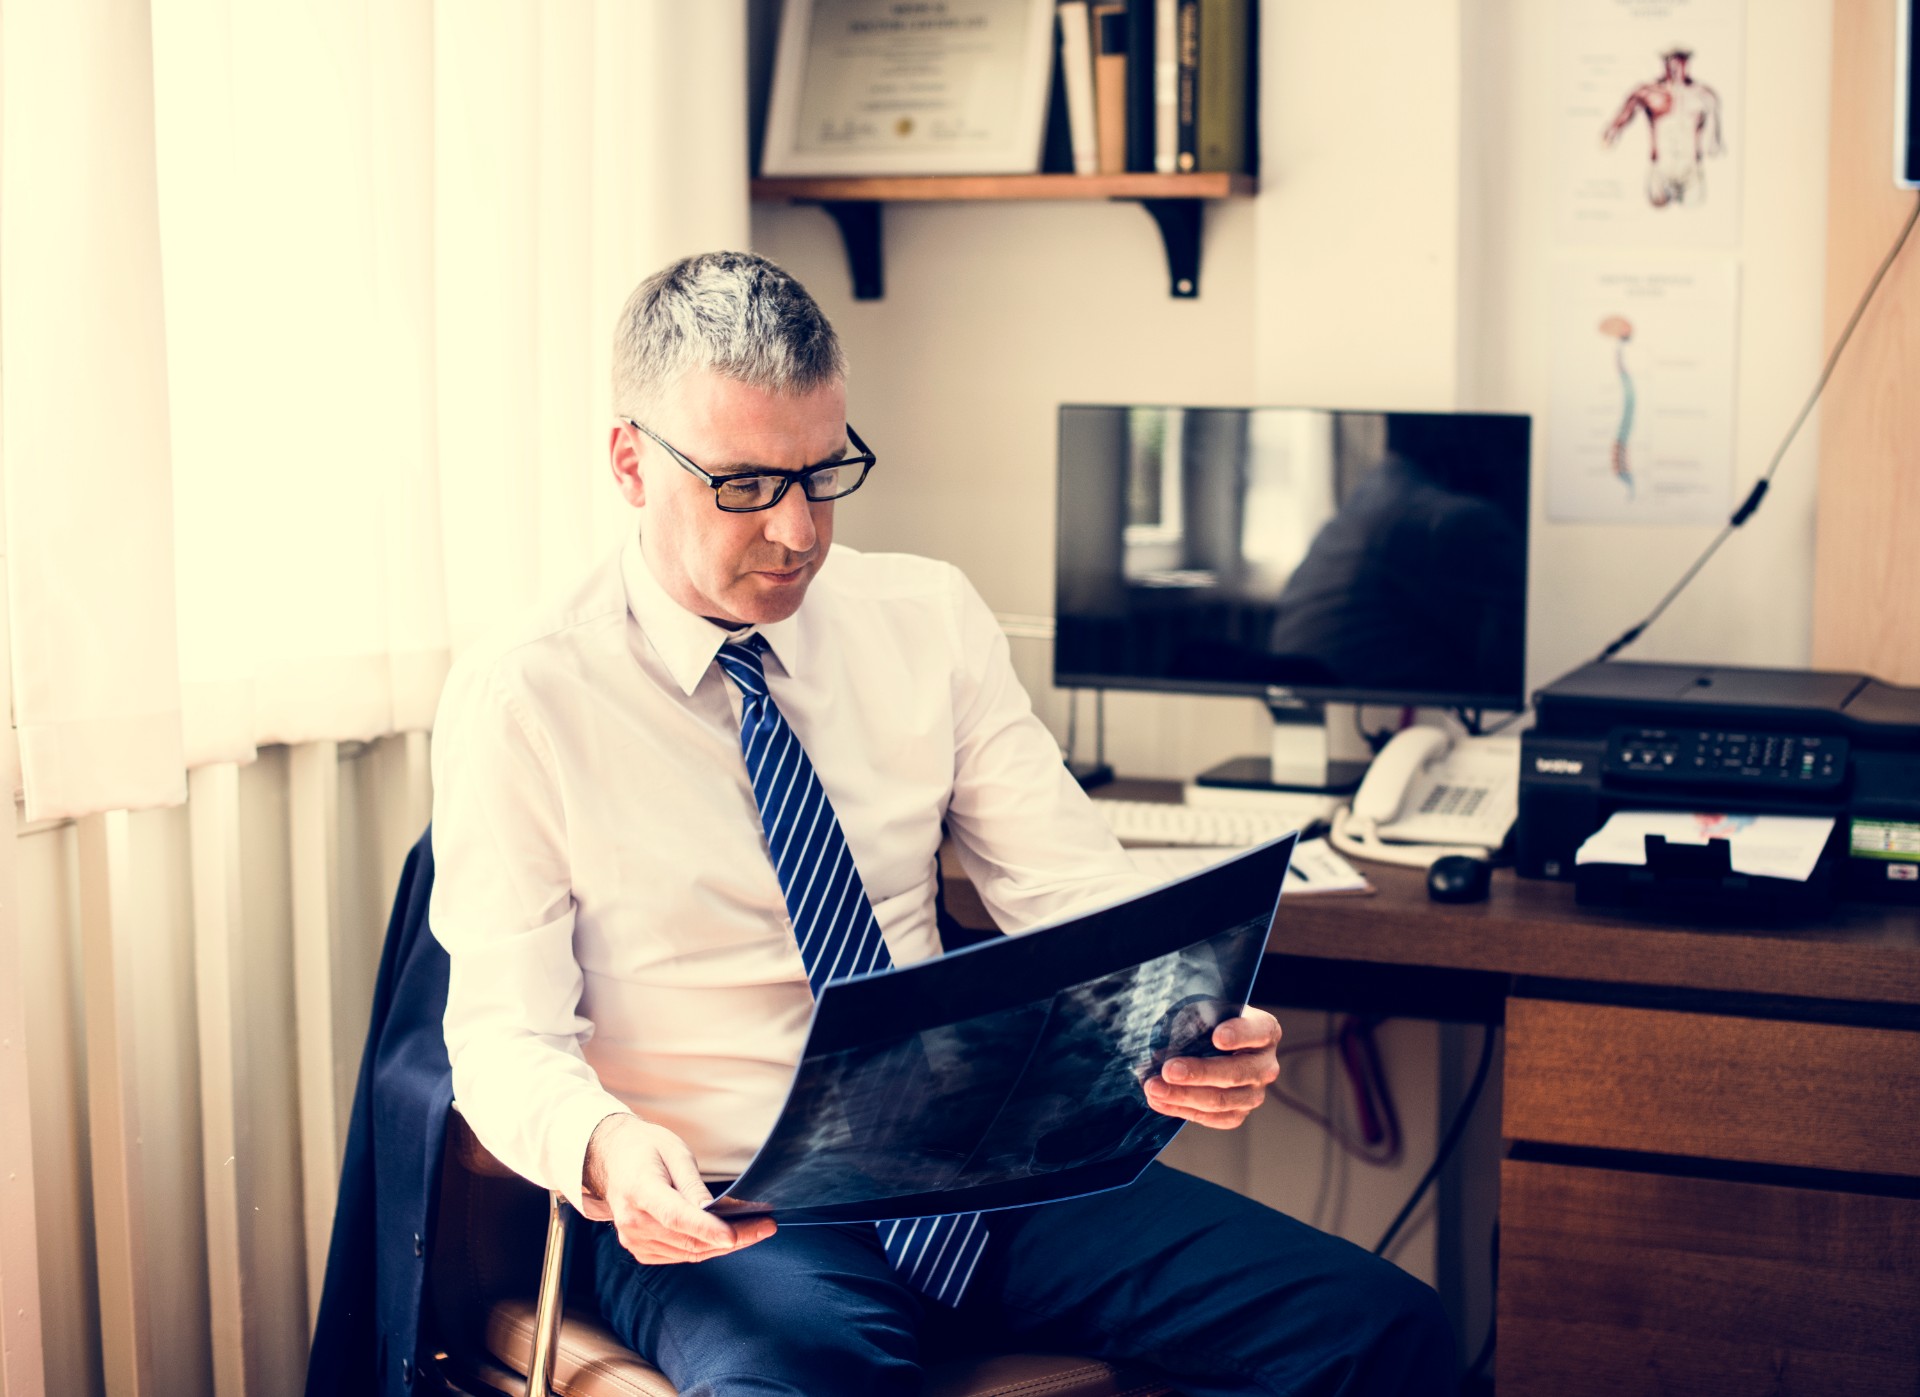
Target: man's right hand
pixel 649 1180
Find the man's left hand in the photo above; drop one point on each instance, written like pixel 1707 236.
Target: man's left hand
pixel 1218 1092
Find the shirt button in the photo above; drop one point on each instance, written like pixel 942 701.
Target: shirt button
pixel 419 1249
pixel 406 1373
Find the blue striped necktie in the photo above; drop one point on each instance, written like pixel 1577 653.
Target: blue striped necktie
pixel 837 931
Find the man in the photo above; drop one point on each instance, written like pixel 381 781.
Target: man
pixel 714 777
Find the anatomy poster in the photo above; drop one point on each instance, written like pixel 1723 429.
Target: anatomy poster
pixel 1643 386
pixel 1649 145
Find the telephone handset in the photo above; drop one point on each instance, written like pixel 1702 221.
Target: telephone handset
pixel 1427 795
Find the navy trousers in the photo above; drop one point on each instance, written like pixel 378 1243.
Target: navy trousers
pixel 1217 1292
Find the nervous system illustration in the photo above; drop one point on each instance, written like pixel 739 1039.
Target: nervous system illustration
pixel 1620 330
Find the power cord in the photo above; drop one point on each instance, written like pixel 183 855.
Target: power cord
pixel 1469 1381
pixel 1447 1144
pixel 1759 490
pixel 1379 1141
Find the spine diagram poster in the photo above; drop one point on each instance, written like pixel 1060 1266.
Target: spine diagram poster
pixel 1650 143
pixel 1643 387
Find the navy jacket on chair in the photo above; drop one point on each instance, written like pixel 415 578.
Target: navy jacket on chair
pixel 367 1339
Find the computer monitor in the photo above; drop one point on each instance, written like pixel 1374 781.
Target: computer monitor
pixel 1295 554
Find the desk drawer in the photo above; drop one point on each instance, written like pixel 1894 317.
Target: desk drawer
pixel 1623 1282
pixel 1768 1091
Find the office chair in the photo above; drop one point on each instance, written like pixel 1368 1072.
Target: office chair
pixel 493 1332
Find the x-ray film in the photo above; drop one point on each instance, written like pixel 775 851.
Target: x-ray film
pixel 1012 1072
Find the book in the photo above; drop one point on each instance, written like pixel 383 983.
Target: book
pixel 1076 61
pixel 1186 145
pixel 1110 84
pixel 1056 148
pixel 1166 86
pixel 1140 85
pixel 1226 78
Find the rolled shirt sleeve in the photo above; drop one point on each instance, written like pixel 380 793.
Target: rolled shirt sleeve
pixel 502 905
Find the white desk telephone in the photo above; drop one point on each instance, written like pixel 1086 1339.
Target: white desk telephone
pixel 1428 795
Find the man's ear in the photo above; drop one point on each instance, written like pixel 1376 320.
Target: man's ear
pixel 625 461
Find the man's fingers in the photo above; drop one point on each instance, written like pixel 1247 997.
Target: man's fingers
pixel 1241 1069
pixel 1213 1120
pixel 683 1172
pixel 1239 1098
pixel 674 1214
pixel 650 1245
pixel 1254 1029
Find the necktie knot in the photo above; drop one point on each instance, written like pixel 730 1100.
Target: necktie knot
pixel 744 661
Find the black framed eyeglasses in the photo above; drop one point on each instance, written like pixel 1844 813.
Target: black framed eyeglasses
pixel 743 492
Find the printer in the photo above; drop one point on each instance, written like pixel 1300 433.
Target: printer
pixel 1623 736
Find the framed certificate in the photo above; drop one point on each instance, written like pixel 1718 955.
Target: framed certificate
pixel 910 87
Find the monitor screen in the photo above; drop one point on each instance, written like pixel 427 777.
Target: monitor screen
pixel 1362 556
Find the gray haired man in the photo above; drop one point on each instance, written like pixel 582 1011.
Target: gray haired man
pixel 713 777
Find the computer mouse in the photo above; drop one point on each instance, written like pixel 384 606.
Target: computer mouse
pixel 1458 878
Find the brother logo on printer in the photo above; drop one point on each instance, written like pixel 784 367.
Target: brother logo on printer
pixel 1558 766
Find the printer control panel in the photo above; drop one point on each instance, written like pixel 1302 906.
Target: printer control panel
pixel 1725 757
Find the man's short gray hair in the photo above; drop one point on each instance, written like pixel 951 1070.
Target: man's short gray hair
pixel 732 312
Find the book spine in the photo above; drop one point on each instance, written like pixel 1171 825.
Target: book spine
pixel 1110 85
pixel 1226 60
pixel 1140 85
pixel 1166 86
pixel 1076 57
pixel 1056 149
pixel 1188 144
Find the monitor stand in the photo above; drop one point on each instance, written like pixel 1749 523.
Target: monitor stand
pixel 1299 761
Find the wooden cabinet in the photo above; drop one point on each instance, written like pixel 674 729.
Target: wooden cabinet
pixel 1616 1282
pixel 1726 1204
pixel 1713 1086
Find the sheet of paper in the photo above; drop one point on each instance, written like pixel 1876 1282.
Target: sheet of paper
pixel 1316 868
pixel 1644 351
pixel 1762 846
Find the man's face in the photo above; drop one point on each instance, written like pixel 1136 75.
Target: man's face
pixel 737 568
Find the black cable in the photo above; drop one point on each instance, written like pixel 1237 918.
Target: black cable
pixel 1759 490
pixel 1482 1358
pixel 1454 1132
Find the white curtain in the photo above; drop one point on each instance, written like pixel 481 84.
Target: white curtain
pixel 84 440
pixel 306 310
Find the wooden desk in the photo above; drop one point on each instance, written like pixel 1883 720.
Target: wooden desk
pixel 1712 1172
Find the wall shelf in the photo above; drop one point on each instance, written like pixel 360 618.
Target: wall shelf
pixel 1174 202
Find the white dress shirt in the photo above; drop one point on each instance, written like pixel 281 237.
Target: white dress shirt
pixel 618 937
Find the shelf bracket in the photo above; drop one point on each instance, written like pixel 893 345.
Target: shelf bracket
pixel 1179 223
pixel 859 222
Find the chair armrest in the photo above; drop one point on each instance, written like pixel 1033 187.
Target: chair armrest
pixel 552 1302
pixel 467 1151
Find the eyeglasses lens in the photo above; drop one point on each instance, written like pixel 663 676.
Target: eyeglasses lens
pixel 760 491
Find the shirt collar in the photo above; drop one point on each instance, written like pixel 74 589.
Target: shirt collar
pixel 685 642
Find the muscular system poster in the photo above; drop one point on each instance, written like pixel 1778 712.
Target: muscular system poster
pixel 1650 142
